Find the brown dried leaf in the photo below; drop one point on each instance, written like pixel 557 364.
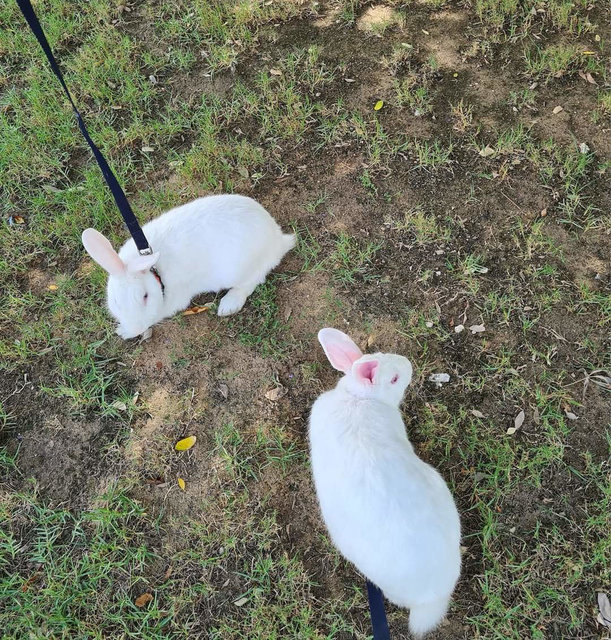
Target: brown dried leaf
pixel 487 151
pixel 557 109
pixel 143 599
pixel 193 310
pixel 224 390
pixel 477 414
pixel 275 72
pixel 240 602
pixel 517 423
pixel 276 393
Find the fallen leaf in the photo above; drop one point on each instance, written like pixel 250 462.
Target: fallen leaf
pixel 52 287
pixel 589 53
pixel 243 171
pixel 275 72
pixel 224 390
pixel 49 188
pixel 146 335
pixel 486 151
pixel 477 414
pixel 459 328
pixel 159 365
pixel 240 602
pixel 378 105
pixel 590 79
pixel 477 328
pixel 145 598
pixel 168 573
pixel 29 582
pixel 181 483
pixel 517 423
pixel 193 310
pixel 439 378
pixel 604 607
pixel 276 393
pixel 426 33
pixel 543 212
pixel 185 444
pixel 570 415
pixel 557 109
pixel 18 219
pixel 147 149
pixel 118 405
pixel 349 80
pixel 583 148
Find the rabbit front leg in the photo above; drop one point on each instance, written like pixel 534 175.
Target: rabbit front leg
pixel 235 298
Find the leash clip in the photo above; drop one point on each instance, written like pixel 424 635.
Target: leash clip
pixel 146 252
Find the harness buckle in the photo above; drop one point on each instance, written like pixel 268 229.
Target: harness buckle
pixel 146 252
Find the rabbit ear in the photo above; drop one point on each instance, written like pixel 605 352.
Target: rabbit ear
pixel 339 349
pixel 100 249
pixel 142 263
pixel 366 371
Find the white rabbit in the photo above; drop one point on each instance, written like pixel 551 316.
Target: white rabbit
pixel 388 512
pixel 213 243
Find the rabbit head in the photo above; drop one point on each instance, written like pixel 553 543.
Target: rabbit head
pixel 380 376
pixel 135 298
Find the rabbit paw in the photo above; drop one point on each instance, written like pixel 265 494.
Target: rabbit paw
pixel 231 302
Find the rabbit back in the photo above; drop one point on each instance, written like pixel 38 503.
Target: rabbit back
pixel 387 511
pixel 212 243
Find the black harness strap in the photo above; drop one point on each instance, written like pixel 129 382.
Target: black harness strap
pixel 120 198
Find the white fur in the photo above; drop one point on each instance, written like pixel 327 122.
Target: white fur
pixel 210 244
pixel 387 511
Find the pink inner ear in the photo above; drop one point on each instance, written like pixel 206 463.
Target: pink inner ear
pixel 339 348
pixel 366 371
pixel 100 249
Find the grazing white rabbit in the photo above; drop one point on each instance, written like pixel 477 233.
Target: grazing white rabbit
pixel 213 243
pixel 388 512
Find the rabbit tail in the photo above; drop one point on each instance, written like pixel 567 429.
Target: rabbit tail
pixel 288 242
pixel 426 616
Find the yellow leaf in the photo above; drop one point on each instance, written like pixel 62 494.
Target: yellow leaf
pixel 193 310
pixel 379 104
pixel 181 483
pixel 52 287
pixel 143 599
pixel 185 443
pixel 589 53
pixel 18 220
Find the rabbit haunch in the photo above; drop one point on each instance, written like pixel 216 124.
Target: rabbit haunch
pixel 387 511
pixel 211 244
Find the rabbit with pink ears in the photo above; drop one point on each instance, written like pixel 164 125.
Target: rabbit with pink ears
pixel 387 511
pixel 211 244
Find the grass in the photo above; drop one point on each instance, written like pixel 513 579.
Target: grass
pixel 188 98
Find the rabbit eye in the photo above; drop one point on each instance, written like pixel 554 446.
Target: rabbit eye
pixel 394 379
pixel 146 295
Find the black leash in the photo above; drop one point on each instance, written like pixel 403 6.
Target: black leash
pixel 113 184
pixel 379 624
